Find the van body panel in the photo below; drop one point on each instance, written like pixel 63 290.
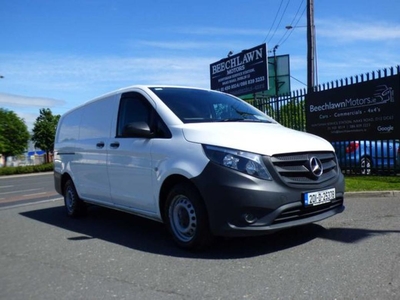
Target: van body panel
pixel 130 173
pixel 262 138
pixel 89 169
pixel 91 156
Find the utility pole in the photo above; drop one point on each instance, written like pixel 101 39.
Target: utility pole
pixel 310 47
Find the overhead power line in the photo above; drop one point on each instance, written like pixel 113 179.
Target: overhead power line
pixel 273 23
pixel 279 23
pixel 276 24
pixel 294 25
pixel 295 16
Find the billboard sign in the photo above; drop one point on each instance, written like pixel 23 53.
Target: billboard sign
pixel 279 75
pixel 241 74
pixel 366 110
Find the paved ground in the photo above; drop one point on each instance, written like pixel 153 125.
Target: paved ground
pixel 112 255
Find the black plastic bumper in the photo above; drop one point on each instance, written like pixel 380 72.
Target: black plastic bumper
pixel 242 205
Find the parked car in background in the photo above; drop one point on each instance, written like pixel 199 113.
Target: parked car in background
pixel 367 157
pixel 398 160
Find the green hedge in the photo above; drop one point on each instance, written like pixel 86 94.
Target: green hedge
pixel 26 169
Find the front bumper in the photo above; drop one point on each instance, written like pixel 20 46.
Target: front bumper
pixel 233 199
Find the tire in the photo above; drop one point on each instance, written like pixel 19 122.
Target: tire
pixel 366 166
pixel 74 206
pixel 186 218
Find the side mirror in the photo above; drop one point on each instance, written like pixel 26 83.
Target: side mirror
pixel 137 129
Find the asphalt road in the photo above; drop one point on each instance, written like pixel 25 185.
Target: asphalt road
pixel 22 189
pixel 113 255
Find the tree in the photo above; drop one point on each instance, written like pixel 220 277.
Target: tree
pixel 14 135
pixel 44 131
pixel 293 114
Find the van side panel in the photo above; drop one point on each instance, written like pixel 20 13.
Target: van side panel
pixel 129 160
pixel 64 147
pixel 90 163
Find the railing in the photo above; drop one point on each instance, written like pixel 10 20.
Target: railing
pixel 288 109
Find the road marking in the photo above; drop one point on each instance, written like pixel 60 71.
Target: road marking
pixel 15 192
pixel 6 186
pixel 35 194
pixel 27 197
pixel 30 203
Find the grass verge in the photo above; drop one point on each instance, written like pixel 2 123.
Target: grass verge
pixel 372 183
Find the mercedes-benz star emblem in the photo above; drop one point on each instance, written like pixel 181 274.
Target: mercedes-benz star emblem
pixel 316 167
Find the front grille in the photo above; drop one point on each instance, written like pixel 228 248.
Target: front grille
pixel 295 170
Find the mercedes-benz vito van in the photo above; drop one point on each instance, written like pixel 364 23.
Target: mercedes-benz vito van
pixel 203 162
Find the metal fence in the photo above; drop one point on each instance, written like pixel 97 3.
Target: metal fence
pixel 358 156
pixel 289 109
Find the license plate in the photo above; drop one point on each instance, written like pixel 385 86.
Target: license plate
pixel 320 197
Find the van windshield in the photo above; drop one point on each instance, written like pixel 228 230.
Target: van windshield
pixel 196 106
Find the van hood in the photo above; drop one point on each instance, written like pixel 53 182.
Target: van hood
pixel 261 138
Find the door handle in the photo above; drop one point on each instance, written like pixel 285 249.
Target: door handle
pixel 100 145
pixel 114 145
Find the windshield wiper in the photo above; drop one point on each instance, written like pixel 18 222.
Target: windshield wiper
pixel 243 120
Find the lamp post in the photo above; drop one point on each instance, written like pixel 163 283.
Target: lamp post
pixel 288 27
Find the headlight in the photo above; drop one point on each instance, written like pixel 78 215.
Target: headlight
pixel 245 162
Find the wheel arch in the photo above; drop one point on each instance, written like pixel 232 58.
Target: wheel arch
pixel 64 178
pixel 167 186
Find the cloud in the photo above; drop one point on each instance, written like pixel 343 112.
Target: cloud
pixel 181 45
pixel 78 79
pixel 206 39
pixel 187 45
pixel 348 48
pixel 28 108
pixel 9 100
pixel 29 118
pixel 218 31
pixel 50 73
pixel 351 31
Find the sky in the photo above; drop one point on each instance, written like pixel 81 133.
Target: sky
pixel 59 54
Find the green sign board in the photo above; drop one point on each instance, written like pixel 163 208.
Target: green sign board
pixel 279 76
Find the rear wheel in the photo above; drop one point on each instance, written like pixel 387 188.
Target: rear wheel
pixel 74 206
pixel 186 217
pixel 366 166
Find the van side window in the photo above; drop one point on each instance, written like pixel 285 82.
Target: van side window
pixel 135 108
pixel 95 121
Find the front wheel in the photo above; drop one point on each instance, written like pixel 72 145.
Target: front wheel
pixel 186 217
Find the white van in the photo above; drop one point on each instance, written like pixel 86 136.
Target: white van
pixel 203 162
